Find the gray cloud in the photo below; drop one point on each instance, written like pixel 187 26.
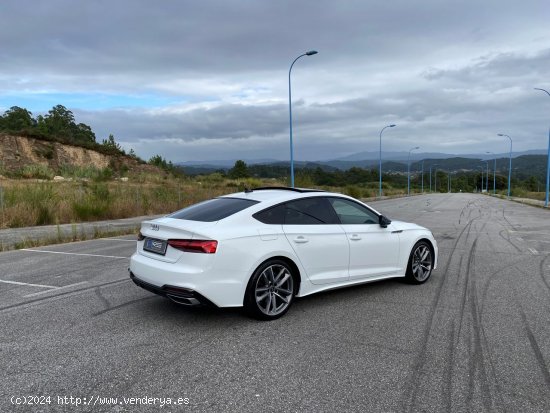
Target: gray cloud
pixel 451 75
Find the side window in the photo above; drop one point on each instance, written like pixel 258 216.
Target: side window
pixel 274 215
pixel 350 212
pixel 310 211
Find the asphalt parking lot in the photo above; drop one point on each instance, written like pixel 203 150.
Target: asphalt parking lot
pixel 474 338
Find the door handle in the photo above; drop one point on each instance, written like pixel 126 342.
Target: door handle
pixel 354 237
pixel 300 239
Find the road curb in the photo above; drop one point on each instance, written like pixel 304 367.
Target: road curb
pixel 15 238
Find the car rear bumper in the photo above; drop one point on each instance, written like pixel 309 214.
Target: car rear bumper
pixel 179 295
pixel 221 287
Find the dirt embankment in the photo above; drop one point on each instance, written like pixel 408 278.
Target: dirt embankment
pixel 17 152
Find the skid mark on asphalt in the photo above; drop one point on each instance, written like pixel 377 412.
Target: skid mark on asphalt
pixel 534 345
pixel 476 363
pixel 541 272
pixel 409 399
pixel 116 307
pixel 59 296
pixel 493 277
pixel 469 355
pixel 507 238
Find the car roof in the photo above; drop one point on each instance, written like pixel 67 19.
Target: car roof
pixel 279 194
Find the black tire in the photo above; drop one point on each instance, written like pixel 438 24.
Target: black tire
pixel 270 291
pixel 420 265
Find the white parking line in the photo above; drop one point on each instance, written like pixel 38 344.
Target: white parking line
pixel 533 251
pixel 56 288
pixel 519 239
pixel 73 253
pixel 32 285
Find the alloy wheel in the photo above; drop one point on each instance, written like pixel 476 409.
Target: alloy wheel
pixel 274 290
pixel 421 265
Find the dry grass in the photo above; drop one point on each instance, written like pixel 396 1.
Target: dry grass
pixel 27 202
pixel 33 202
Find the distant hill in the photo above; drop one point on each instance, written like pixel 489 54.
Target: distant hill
pixel 403 156
pixel 523 166
pixel 364 160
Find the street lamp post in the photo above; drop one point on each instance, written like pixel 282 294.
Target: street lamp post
pixel 435 164
pixel 409 170
pixel 487 177
pixel 422 175
pixel 510 166
pixel 310 53
pixel 494 175
pixel 548 161
pixel 481 166
pixel 380 159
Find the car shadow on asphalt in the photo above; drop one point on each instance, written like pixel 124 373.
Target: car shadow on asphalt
pixel 165 309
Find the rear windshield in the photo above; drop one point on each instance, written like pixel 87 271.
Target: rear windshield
pixel 213 209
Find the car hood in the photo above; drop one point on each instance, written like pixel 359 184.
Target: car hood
pixel 404 226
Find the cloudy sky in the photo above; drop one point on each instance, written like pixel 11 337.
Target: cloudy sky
pixel 204 80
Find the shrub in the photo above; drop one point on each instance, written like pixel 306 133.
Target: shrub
pixel 353 191
pixel 87 211
pixel 36 172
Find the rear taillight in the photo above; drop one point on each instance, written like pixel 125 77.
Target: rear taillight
pixel 194 245
pixel 140 236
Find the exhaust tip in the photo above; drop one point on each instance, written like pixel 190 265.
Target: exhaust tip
pixel 183 300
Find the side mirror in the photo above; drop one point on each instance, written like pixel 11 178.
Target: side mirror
pixel 383 221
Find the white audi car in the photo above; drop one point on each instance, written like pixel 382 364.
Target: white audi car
pixel 261 248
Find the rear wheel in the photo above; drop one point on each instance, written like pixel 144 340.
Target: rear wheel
pixel 420 263
pixel 270 291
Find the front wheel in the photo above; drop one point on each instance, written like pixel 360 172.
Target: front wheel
pixel 420 265
pixel 270 291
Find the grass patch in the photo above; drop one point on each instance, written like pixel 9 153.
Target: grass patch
pixel 35 172
pixel 30 203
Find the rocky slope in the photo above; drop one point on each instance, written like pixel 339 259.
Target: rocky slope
pixel 17 152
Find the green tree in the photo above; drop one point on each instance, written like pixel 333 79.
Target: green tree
pixel 17 119
pixel 111 143
pixel 83 133
pixel 159 161
pixel 239 170
pixel 59 122
pixel 532 184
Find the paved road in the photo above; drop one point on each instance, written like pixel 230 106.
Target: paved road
pixel 476 337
